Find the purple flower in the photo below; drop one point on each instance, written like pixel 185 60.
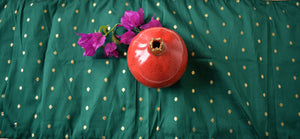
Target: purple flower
pixel 152 23
pixel 127 37
pixel 91 42
pixel 110 49
pixel 132 19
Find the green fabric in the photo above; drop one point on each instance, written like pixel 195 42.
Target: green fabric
pixel 242 78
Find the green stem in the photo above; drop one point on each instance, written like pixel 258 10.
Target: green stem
pixel 112 29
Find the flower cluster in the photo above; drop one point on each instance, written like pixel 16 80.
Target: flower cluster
pixel 132 21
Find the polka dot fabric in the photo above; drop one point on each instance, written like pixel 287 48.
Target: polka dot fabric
pixel 241 80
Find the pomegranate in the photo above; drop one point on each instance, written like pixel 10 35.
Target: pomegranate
pixel 157 57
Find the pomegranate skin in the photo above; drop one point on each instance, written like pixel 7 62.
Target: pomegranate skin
pixel 157 57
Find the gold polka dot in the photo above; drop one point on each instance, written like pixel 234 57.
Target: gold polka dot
pixel 229 92
pixel 206 15
pixel 190 22
pixel 297 3
pixel 210 63
pixel 193 72
pixel 279 86
pixel 237 1
pixel 77 11
pixel 49 125
pixel 212 120
pixel 157 18
pixel 63 5
pixel 56 35
pixel 11 44
pixel 293 60
pixel 244 67
pixel 240 16
pixel 16 11
pixel 3 96
pixel 125 54
pixel 66 136
pixel 55 52
pixel 267 133
pixel 86 108
pixel 32 135
pixel 94 4
pixel 36 97
pixel 270 18
pixel 281 104
pixel 193 53
pixel 84 127
pixel 283 11
pixel 15 124
pixel 105 79
pixel 226 57
pixel 229 111
pixel 257 24
pixel 291 43
pixel 70 97
pixel 282 124
pixel 157 128
pixel 89 71
pixel 123 71
pixel 140 99
pixel 25 35
pixel 296 96
pixel 299 114
pixel 207 31
pixel 35 116
pixel 50 107
pixel 273 34
pixel 260 58
pixel 287 26
pixel 68 117
pixel 104 98
pixel 267 2
pixel 71 79
pixel 222 8
pixel 52 88
pixel 72 62
pixel 209 46
pixel 13 28
pixel 243 49
pixel 194 109
pixel 223 24
pixel 157 4
pixel 6 78
pixel 228 73
pixel 190 6
pixel 141 118
pixel 93 20
pixel 242 32
pixel 104 118
pixel 20 88
pixel 123 90
pixel 211 101
pixel 5 6
pixel 247 103
pixel 8 61
pixel 126 4
pixel 275 51
pixel 42 27
pixel 18 106
pixel 277 68
pixel 158 108
pixel 194 129
pixel 109 12
pixel 158 90
pixel 88 89
pixel 123 108
pixel 211 82
pixel 225 41
pixel 249 122
pixel 53 69
pixel 205 0
pixel 192 36
pixel 246 85
pixel 259 41
pixel 175 99
pixel 175 118
pixel 230 131
pixel 262 76
pixel 2 113
pixel 266 114
pixel 193 91
pixel 75 27
pixel 175 26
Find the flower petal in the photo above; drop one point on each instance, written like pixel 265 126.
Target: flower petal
pixel 152 23
pixel 127 37
pixel 132 19
pixel 110 50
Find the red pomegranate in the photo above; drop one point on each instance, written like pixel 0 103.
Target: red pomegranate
pixel 157 57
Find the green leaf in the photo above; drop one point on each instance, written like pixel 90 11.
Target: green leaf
pixel 105 29
pixel 101 27
pixel 114 38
